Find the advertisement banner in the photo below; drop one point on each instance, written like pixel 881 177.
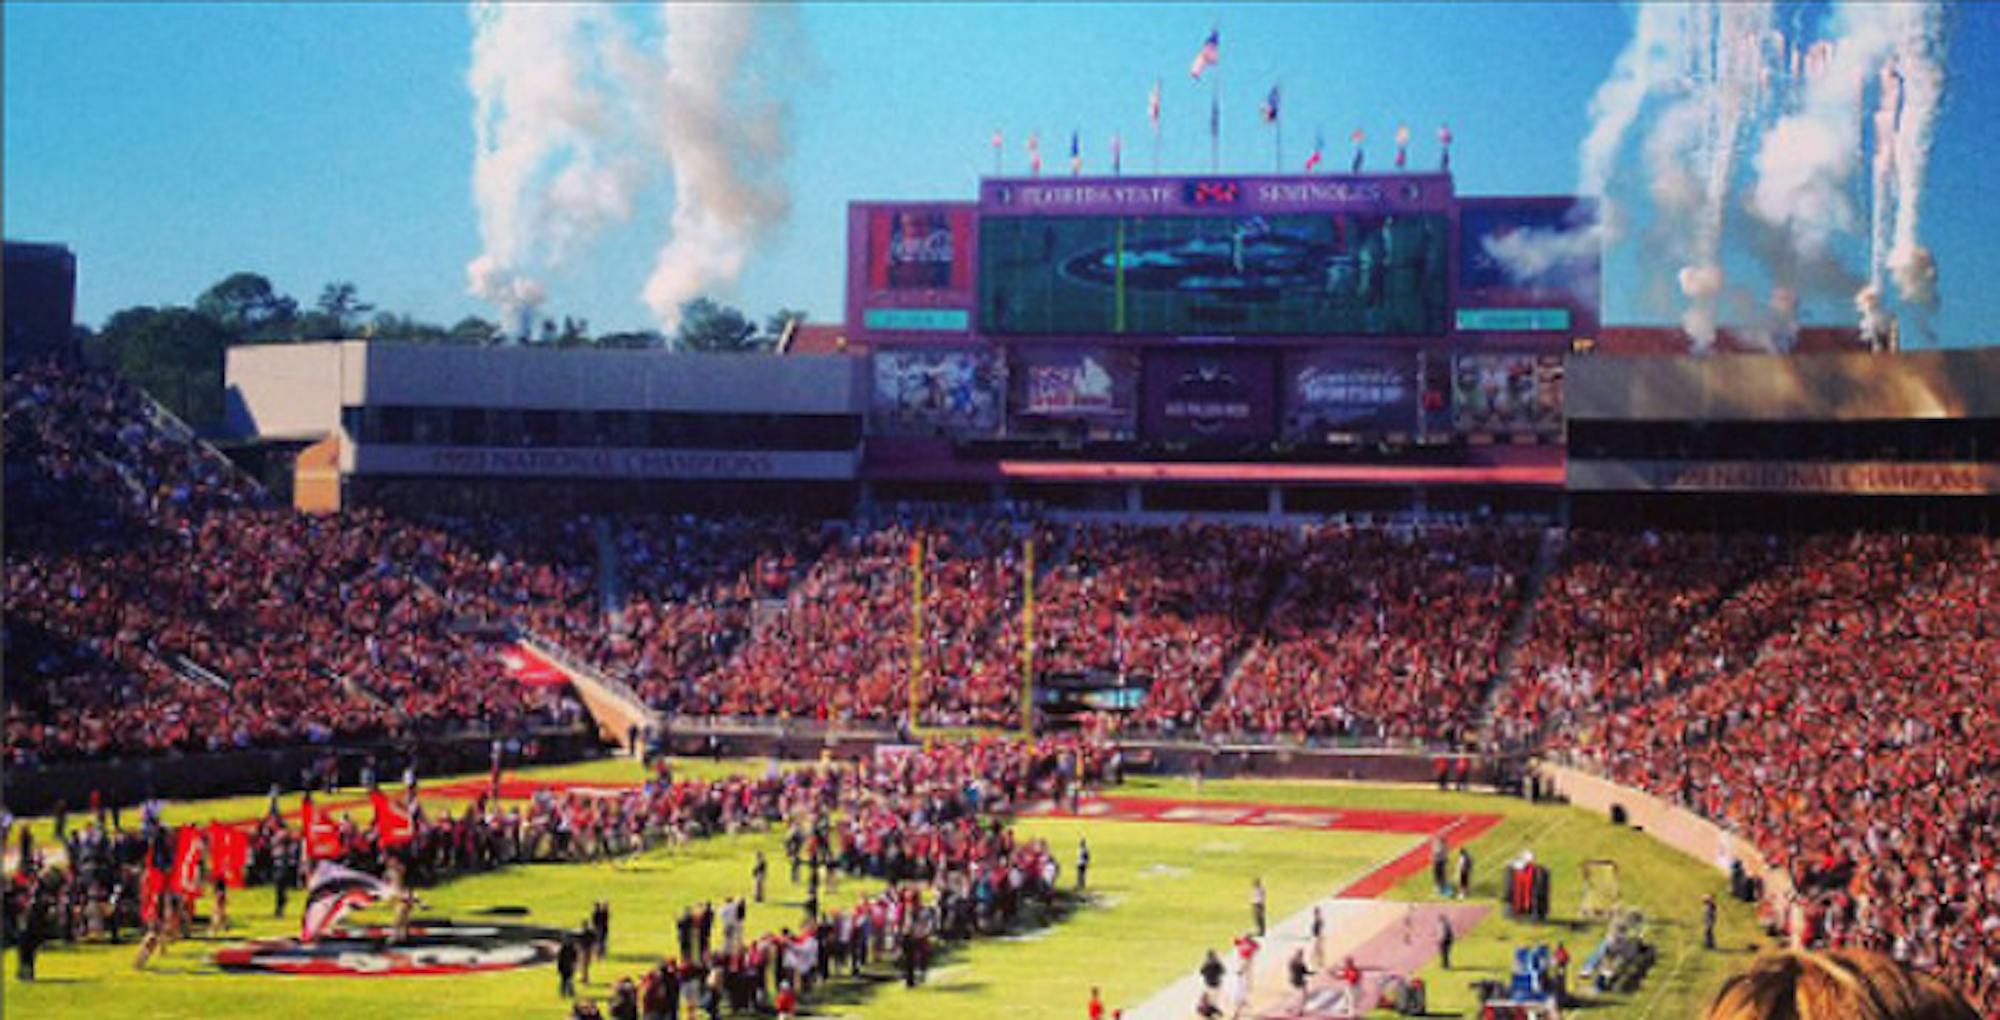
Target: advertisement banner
pixel 1210 395
pixel 1320 193
pixel 1096 383
pixel 1355 274
pixel 1538 253
pixel 919 248
pixel 1350 392
pixel 935 392
pixel 910 268
pixel 1507 393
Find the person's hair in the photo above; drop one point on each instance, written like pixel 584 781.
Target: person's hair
pixel 1837 984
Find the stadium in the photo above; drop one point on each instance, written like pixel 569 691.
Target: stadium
pixel 1157 595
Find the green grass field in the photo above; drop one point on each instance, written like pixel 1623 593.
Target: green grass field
pixel 1160 894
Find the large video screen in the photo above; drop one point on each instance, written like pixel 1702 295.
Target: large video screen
pixel 1277 275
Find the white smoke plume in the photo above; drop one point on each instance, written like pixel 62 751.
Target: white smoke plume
pixel 574 122
pixel 724 134
pixel 552 163
pixel 1919 65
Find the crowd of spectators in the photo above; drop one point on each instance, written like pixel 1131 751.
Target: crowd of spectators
pixel 1837 710
pixel 1381 633
pixel 183 614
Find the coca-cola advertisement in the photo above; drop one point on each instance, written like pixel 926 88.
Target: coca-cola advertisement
pixel 1213 395
pixel 1349 392
pixel 919 248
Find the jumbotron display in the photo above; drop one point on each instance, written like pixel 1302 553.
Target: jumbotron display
pixel 1354 274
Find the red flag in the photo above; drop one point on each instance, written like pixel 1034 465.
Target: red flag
pixel 393 826
pixel 229 848
pixel 186 876
pixel 151 885
pixel 321 838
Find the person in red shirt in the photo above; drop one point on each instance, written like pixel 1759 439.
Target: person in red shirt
pixel 1096 1005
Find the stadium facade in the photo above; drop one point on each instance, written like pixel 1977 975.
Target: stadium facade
pixel 1360 344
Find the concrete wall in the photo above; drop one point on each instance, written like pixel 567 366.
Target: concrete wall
pixel 1775 387
pixel 1677 827
pixel 529 378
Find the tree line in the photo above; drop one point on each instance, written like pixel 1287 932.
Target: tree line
pixel 176 353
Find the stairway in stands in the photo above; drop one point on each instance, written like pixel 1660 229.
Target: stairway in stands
pixel 1547 557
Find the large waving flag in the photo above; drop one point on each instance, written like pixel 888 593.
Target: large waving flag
pixel 1209 55
pixel 321 838
pixel 185 878
pixel 393 826
pixel 229 852
pixel 1270 107
pixel 333 892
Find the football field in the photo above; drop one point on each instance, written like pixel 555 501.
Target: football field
pixel 1170 877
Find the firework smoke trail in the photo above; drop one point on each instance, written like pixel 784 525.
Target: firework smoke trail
pixel 552 164
pixel 725 139
pixel 1919 62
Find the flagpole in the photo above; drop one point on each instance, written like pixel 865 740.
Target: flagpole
pixel 1278 141
pixel 1215 123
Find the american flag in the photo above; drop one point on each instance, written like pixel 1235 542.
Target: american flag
pixel 1209 55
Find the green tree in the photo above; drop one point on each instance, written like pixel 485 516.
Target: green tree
pixel 645 339
pixel 709 326
pixel 341 307
pixel 775 325
pixel 176 354
pixel 405 329
pixel 249 307
pixel 473 330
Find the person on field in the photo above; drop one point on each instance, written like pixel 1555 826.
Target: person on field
pixel 757 873
pixel 1445 939
pixel 1318 939
pixel 1211 971
pixel 1257 905
pixel 1095 1010
pixel 1299 972
pixel 566 956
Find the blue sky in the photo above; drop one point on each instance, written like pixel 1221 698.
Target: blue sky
pixel 173 144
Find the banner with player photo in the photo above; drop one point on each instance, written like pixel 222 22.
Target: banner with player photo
pixel 935 392
pixel 1507 393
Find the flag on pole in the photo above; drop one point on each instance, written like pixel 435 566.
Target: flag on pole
pixel 1356 139
pixel 1209 55
pixel 1153 105
pixel 1402 145
pixel 334 891
pixel 393 826
pixel 320 836
pixel 1075 155
pixel 1319 148
pixel 1444 147
pixel 185 879
pixel 1270 107
pixel 1214 118
pixel 1117 154
pixel 997 140
pixel 1035 153
pixel 229 850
